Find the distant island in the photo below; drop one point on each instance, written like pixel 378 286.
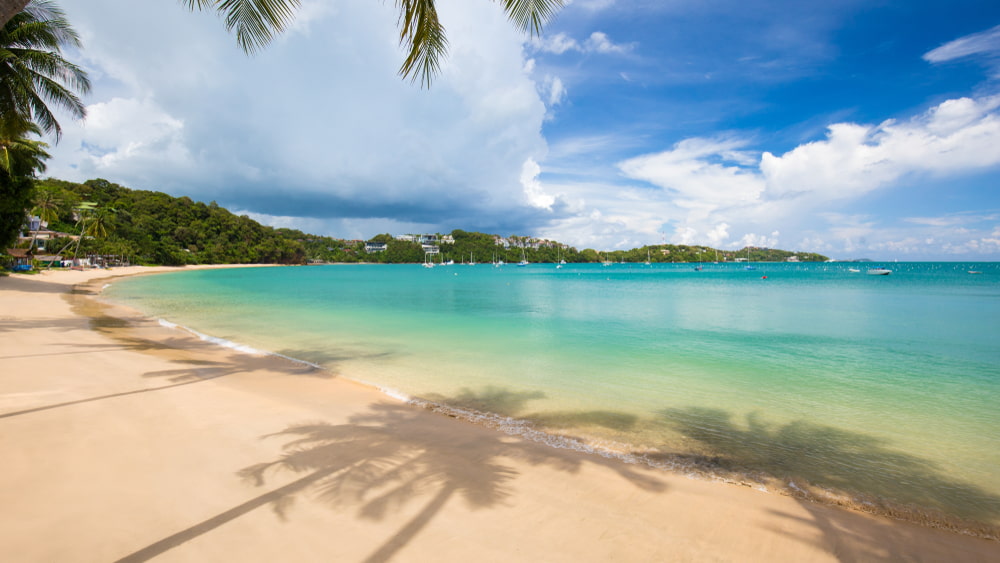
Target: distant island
pixel 102 222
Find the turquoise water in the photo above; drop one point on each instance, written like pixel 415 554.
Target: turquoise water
pixel 886 388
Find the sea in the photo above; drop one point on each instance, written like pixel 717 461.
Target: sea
pixel 818 380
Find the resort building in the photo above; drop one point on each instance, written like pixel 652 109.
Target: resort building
pixel 375 247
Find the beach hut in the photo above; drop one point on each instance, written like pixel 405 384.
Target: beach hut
pixel 19 259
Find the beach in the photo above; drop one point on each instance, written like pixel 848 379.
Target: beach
pixel 128 440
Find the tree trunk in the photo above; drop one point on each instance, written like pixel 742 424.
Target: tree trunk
pixel 10 8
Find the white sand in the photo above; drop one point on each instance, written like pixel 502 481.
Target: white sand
pixel 122 439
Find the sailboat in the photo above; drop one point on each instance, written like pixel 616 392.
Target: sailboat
pixel 427 260
pixel 749 266
pixel 647 257
pixel 472 260
pixel 524 259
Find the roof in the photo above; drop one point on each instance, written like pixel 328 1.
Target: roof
pixel 19 252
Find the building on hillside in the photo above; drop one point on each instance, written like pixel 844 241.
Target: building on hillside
pixel 431 248
pixel 371 247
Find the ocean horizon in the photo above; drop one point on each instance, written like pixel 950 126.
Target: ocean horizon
pixel 878 392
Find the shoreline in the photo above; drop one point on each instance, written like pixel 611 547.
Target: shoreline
pixel 172 440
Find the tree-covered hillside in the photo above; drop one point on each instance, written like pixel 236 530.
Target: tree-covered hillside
pixel 154 228
pixel 147 227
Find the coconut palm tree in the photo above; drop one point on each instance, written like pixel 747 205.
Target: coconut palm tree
pixel 20 158
pixel 421 34
pixel 33 73
pixel 47 205
pixel 46 208
pixel 256 22
pixel 19 154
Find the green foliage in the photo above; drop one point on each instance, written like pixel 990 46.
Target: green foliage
pixel 155 228
pixel 33 73
pixel 15 197
pixel 671 253
pixel 20 158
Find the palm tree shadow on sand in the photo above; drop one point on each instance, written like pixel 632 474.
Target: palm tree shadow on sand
pixel 392 456
pixel 834 466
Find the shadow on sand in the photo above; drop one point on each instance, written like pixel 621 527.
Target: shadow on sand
pixel 196 360
pixel 834 466
pixel 390 457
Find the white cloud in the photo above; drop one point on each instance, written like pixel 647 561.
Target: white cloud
pixel 700 171
pixel 533 188
pixel 316 125
pixel 717 191
pixel 122 135
pixel 985 42
pixel 953 220
pixel 557 44
pixel 557 92
pixel 957 135
pixel 598 42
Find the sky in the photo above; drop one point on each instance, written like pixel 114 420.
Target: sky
pixel 851 128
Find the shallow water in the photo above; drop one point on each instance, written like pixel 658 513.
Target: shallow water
pixel 886 387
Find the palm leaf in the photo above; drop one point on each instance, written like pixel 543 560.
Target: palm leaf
pixel 256 22
pixel 33 73
pixel 421 34
pixel 531 15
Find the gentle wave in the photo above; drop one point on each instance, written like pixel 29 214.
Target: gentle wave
pixel 234 345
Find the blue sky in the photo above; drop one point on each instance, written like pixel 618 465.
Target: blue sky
pixel 849 128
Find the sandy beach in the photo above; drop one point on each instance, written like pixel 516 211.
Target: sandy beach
pixel 124 440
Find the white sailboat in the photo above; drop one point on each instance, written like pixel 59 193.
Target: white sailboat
pixel 524 259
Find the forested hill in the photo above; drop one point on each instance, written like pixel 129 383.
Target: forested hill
pixel 155 228
pixel 149 227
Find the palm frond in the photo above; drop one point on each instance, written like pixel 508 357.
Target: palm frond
pixel 256 22
pixel 33 73
pixel 531 15
pixel 422 35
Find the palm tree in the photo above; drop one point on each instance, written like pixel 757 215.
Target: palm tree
pixel 33 73
pixel 20 158
pixel 420 32
pixel 256 22
pixel 20 155
pixel 46 208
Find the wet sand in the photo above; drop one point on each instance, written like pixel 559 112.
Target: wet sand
pixel 126 440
